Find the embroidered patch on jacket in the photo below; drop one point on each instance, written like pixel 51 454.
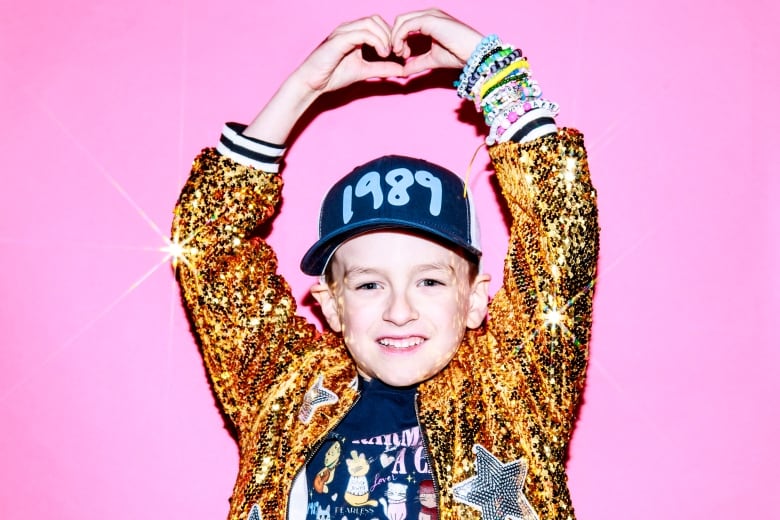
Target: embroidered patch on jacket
pixel 315 397
pixel 254 513
pixel 497 488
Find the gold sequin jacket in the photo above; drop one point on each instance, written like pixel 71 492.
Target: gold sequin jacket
pixel 513 387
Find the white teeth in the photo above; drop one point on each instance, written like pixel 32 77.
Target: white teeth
pixel 400 343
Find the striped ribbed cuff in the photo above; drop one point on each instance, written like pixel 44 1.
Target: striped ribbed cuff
pixel 531 125
pixel 249 151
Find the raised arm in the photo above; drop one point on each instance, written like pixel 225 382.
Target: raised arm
pixel 242 310
pixel 543 311
pixel 542 314
pixel 336 63
pixel 532 360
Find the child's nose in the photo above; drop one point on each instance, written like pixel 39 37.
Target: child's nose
pixel 400 309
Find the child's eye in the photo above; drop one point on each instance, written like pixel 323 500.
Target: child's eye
pixel 430 282
pixel 368 286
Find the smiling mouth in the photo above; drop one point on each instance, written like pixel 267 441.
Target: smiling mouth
pixel 401 343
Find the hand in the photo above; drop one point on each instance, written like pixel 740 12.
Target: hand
pixel 336 63
pixel 452 41
pixel 339 60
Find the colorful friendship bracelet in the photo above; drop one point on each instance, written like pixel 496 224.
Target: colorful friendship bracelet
pixel 518 86
pixel 514 67
pixel 512 95
pixel 503 61
pixel 485 48
pixel 510 120
pixel 514 74
pixel 488 63
pixel 485 70
pixel 498 79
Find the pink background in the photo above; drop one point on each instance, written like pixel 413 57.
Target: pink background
pixel 105 411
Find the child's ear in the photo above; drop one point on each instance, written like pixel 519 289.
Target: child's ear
pixel 321 292
pixel 478 303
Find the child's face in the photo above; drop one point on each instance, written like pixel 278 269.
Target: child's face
pixel 402 303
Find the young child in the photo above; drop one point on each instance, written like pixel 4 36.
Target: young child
pixel 413 406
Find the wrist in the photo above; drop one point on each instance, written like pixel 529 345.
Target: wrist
pixel 486 46
pixel 498 79
pixel 248 150
pixel 277 119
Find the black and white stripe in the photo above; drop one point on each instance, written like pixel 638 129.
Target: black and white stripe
pixel 249 151
pixel 531 125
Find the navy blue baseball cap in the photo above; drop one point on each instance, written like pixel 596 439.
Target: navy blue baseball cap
pixel 395 192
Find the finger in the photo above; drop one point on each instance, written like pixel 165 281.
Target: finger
pixel 354 69
pixel 436 58
pixel 451 34
pixel 420 64
pixel 362 23
pixel 374 25
pixel 378 26
pixel 384 27
pixel 422 14
pixel 412 67
pixel 346 42
pixel 415 21
pixel 382 69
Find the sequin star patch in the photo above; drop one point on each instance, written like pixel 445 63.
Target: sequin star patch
pixel 497 488
pixel 315 397
pixel 254 513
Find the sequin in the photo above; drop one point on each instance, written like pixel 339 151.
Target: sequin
pixel 512 387
pixel 496 491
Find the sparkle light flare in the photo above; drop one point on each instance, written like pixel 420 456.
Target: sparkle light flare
pixel 174 251
pixel 102 170
pixel 552 317
pixel 171 250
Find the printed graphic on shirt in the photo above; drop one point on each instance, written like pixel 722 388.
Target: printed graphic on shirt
pixel 427 497
pixel 394 506
pixel 326 474
pixel 357 486
pixel 323 514
pixel 385 477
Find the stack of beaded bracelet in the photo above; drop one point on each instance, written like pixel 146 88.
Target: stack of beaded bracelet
pixel 468 77
pixel 497 78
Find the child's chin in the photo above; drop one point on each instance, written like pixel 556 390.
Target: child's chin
pixel 402 381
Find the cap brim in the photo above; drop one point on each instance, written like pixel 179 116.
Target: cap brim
pixel 317 257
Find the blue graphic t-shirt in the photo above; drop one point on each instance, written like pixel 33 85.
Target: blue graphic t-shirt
pixel 374 464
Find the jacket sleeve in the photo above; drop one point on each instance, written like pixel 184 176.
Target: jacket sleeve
pixel 542 314
pixel 241 310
